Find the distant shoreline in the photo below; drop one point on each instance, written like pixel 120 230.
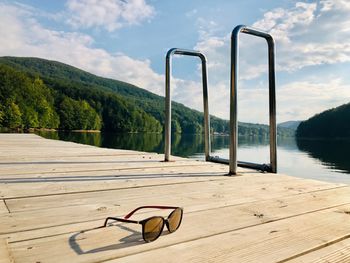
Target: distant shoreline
pixel 216 134
pixel 32 130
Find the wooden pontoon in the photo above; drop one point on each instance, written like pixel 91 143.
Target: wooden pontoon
pixel 54 194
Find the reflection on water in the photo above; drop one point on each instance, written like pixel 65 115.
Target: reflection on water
pixel 332 153
pixel 323 160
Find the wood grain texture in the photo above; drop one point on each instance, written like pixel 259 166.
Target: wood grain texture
pixel 75 208
pixel 223 190
pixel 5 256
pixel 339 252
pixel 3 207
pixel 205 231
pixel 25 186
pixel 57 193
pixel 273 242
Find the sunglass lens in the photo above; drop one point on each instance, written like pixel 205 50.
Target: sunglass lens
pixel 153 228
pixel 174 220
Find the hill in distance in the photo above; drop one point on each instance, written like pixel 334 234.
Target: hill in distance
pixel 293 125
pixel 331 124
pixel 77 99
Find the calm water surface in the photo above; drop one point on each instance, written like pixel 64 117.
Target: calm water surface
pixel 314 159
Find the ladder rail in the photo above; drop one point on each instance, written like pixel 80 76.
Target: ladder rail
pixel 168 64
pixel 233 163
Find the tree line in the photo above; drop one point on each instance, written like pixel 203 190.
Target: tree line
pixel 27 102
pixel 38 93
pixel 332 123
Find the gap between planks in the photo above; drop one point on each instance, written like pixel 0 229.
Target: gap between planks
pixel 337 229
pixel 200 230
pixel 272 242
pixel 225 190
pixel 76 168
pixel 117 188
pixel 338 252
pixel 177 165
pixel 193 206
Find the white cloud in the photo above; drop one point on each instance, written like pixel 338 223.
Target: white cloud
pixel 214 48
pixel 206 28
pixel 280 22
pixel 297 100
pixel 302 99
pixel 191 13
pixel 328 5
pixel 307 35
pixel 313 54
pixel 26 37
pixel 108 14
pixel 312 36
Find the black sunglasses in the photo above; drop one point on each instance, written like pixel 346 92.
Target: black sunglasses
pixel 152 227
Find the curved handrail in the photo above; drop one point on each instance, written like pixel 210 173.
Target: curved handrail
pixel 169 55
pixel 233 96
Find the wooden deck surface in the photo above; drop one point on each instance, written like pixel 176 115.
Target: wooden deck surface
pixel 53 194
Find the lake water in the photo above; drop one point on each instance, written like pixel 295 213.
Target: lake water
pixel 314 159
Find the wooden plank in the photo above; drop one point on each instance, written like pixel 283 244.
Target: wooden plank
pixel 66 170
pixel 265 231
pixel 3 208
pixel 339 252
pixel 63 151
pixel 29 145
pixel 78 156
pixel 270 209
pixel 86 160
pixel 69 182
pixel 104 180
pixel 5 256
pixel 173 167
pixel 34 169
pixel 64 164
pixel 71 157
pixel 238 189
pixel 95 208
pixel 61 210
pixel 273 242
pixel 250 218
pixel 38 163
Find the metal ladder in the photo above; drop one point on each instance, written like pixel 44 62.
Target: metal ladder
pixel 168 60
pixel 233 162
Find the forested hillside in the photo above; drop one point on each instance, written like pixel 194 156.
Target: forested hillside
pixel 75 99
pixel 333 123
pixel 290 124
pixel 27 101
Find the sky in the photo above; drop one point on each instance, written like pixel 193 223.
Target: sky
pixel 128 39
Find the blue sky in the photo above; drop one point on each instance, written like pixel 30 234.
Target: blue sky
pixel 127 40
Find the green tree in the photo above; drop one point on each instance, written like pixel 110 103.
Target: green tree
pixel 30 117
pixel 2 114
pixel 332 123
pixel 88 116
pixel 44 102
pixel 27 101
pixel 39 86
pixel 78 115
pixel 12 115
pixel 175 126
